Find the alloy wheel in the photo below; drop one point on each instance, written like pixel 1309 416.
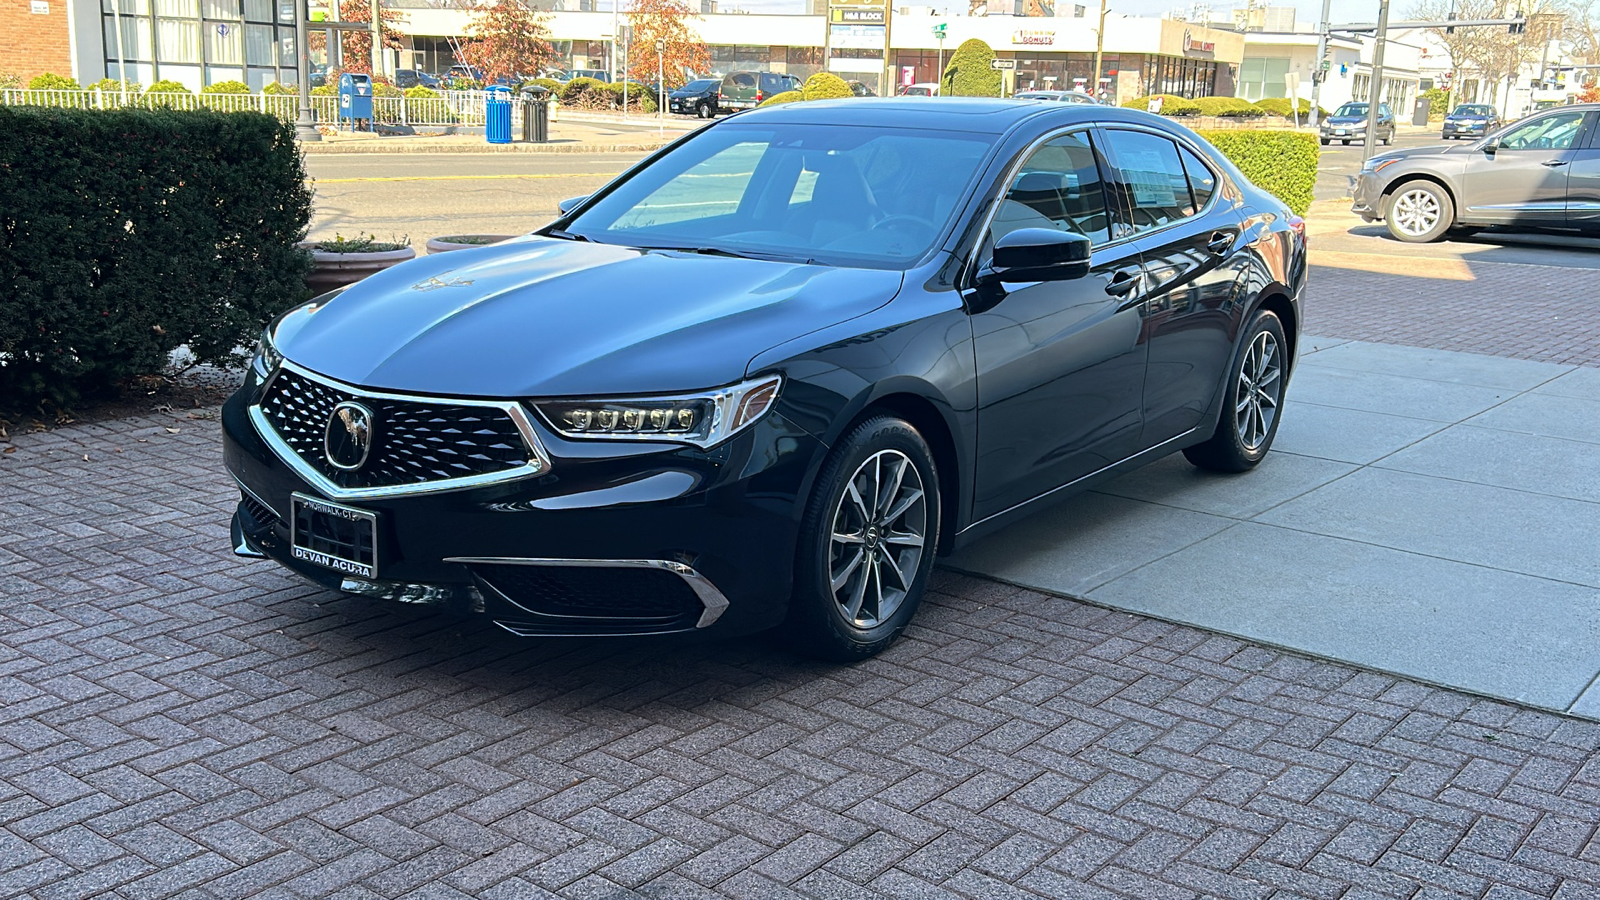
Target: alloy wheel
pixel 1416 212
pixel 879 528
pixel 1259 392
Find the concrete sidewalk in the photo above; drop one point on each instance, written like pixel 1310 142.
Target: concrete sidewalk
pixel 1428 513
pixel 584 135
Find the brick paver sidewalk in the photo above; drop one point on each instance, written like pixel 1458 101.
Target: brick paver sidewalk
pixel 176 722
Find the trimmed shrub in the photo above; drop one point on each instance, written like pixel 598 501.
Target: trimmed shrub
pixel 1437 98
pixel 127 233
pixel 1171 105
pixel 279 89
pixel 325 90
pixel 1282 163
pixel 111 85
pixel 825 86
pixel 549 84
pixel 9 80
pixel 1229 108
pixel 785 97
pixel 226 87
pixel 168 87
pixel 647 103
pixel 384 89
pixel 422 92
pixel 579 91
pixel 969 74
pixel 50 81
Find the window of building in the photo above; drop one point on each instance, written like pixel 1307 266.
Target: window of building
pixel 1261 77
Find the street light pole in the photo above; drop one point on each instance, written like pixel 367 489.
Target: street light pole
pixel 661 81
pixel 1375 88
pixel 304 130
pixel 1318 73
pixel 612 57
pixel 377 38
pixel 1099 51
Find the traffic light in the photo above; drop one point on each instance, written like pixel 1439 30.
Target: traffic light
pixel 1517 27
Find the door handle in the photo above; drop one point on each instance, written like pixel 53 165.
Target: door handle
pixel 1554 163
pixel 1220 242
pixel 1124 282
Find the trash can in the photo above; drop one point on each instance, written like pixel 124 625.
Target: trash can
pixel 535 114
pixel 1419 114
pixel 497 114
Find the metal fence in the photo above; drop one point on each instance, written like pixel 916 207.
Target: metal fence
pixel 448 108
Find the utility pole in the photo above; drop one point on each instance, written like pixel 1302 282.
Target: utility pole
pixel 612 57
pixel 661 80
pixel 304 130
pixel 1375 90
pixel 1099 51
pixel 1320 74
pixel 377 39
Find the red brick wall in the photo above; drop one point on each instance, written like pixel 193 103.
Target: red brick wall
pixel 35 43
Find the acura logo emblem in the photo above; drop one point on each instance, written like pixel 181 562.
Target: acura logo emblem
pixel 349 437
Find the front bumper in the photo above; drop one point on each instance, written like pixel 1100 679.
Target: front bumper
pixel 1452 129
pixel 1367 197
pixel 611 539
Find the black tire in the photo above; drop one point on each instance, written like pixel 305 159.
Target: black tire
pixel 1419 212
pixel 1324 142
pixel 1388 139
pixel 820 623
pixel 1346 143
pixel 1239 444
pixel 703 110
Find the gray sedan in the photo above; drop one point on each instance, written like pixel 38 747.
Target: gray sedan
pixel 1540 172
pixel 1059 96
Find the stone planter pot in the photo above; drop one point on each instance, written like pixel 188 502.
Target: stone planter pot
pixel 464 241
pixel 334 270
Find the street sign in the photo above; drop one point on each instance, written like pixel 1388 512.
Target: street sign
pixel 938 31
pixel 1002 64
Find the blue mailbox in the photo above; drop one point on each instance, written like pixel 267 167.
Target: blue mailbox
pixel 355 97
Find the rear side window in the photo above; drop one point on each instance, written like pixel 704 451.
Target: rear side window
pixel 1152 177
pixel 1202 181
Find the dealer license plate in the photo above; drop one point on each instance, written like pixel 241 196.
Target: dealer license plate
pixel 1338 131
pixel 333 536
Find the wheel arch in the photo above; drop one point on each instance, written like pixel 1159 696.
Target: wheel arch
pixel 931 422
pixel 1399 180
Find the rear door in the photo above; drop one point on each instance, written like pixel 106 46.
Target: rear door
pixel 1583 183
pixel 1190 239
pixel 1523 179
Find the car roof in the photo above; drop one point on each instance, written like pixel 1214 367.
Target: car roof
pixel 970 114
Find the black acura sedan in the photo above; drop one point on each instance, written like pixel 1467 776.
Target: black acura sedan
pixel 764 376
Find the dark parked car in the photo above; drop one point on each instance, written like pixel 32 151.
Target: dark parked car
pixel 697 98
pixel 746 90
pixel 1540 172
pixel 410 78
pixel 761 378
pixel 1349 123
pixel 1058 96
pixel 1470 120
pixel 860 89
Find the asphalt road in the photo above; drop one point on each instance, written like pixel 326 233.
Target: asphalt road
pixel 425 195
pixel 1341 164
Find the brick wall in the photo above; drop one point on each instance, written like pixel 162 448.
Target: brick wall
pixel 35 43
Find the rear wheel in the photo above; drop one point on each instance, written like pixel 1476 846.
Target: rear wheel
pixel 1249 419
pixel 1419 212
pixel 866 543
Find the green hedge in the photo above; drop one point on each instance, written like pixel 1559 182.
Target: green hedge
pixel 784 97
pixel 1171 105
pixel 969 73
pixel 1229 108
pixel 1282 163
pixel 1279 106
pixel 127 233
pixel 825 86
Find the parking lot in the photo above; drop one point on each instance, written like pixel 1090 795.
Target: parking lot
pixel 180 722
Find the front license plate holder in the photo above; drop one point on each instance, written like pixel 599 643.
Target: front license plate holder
pixel 333 536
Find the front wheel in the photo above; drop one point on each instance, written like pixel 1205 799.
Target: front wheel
pixel 1249 419
pixel 1324 142
pixel 703 110
pixel 1346 143
pixel 1419 212
pixel 866 543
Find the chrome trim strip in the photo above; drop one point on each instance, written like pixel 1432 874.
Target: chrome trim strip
pixel 711 598
pixel 538 465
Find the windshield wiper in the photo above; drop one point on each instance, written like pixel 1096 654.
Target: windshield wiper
pixel 738 254
pixel 568 235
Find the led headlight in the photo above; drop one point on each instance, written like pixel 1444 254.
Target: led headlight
pixel 267 357
pixel 702 419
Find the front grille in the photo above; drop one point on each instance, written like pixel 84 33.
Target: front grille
pixel 639 595
pixel 258 512
pixel 414 441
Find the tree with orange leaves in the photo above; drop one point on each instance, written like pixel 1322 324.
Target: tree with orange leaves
pixel 507 39
pixel 668 20
pixel 355 47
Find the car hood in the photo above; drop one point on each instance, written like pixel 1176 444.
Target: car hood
pixel 1415 152
pixel 1466 118
pixel 681 93
pixel 540 317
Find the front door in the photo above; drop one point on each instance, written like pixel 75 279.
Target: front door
pixel 1188 238
pixel 1523 179
pixel 1583 184
pixel 1060 363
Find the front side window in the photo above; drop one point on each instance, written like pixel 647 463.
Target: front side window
pixel 838 195
pixel 1058 187
pixel 1153 178
pixel 1553 132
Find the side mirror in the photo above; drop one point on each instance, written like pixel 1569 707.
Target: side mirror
pixel 570 204
pixel 1490 145
pixel 1037 254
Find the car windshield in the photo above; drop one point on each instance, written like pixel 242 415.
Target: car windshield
pixel 1352 109
pixel 853 195
pixel 1474 110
